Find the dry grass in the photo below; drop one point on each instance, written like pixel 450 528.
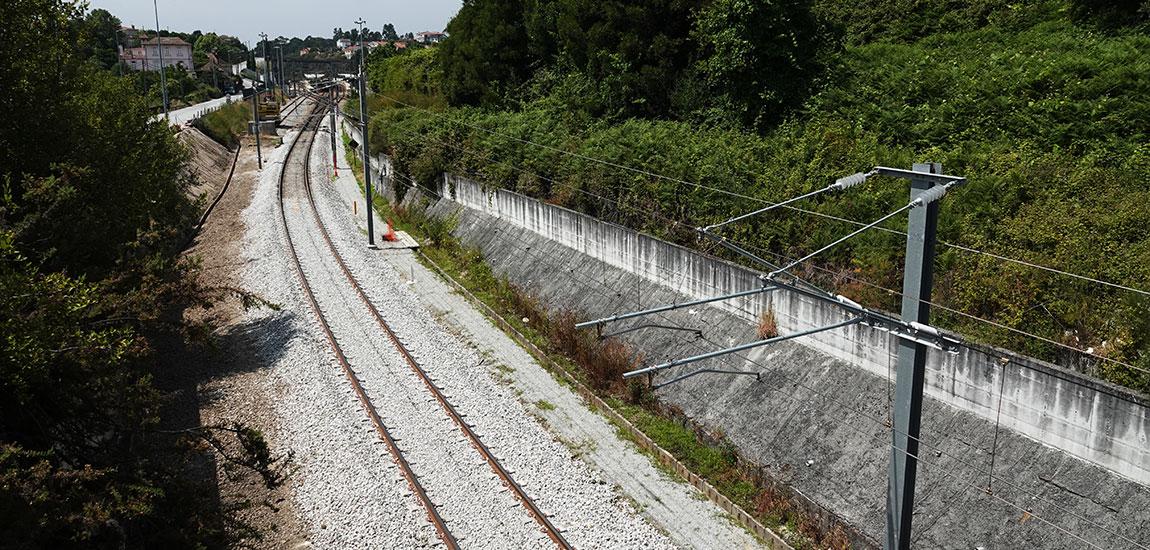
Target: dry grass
pixel 768 327
pixel 604 361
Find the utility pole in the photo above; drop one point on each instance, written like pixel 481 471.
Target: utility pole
pixel 918 280
pixel 256 117
pixel 280 60
pixel 283 70
pixel 331 94
pixel 267 67
pixel 160 48
pixel 363 134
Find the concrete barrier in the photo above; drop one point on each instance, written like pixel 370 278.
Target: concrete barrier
pixel 1092 420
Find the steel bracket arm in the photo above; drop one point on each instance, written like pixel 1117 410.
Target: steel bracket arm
pixel 743 347
pixel 677 305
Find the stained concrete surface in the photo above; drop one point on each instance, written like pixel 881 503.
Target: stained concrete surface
pixel 819 424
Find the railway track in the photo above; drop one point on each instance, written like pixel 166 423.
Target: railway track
pixel 302 146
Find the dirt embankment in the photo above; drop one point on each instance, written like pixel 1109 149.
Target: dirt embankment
pixel 221 381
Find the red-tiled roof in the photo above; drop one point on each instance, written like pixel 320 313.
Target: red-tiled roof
pixel 166 41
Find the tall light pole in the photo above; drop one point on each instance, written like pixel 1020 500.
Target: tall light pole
pixel 267 74
pixel 160 48
pixel 280 55
pixel 278 69
pixel 363 134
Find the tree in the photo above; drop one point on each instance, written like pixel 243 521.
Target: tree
pixel 637 51
pixel 206 45
pixel 1112 13
pixel 389 32
pixel 93 206
pixel 484 53
pixel 758 59
pixel 100 31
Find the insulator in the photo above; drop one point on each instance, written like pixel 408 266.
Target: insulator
pixel 850 181
pixel 930 195
pixel 924 328
pixel 847 301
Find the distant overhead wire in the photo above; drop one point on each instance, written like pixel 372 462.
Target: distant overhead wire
pixel 766 202
pixel 721 240
pixel 641 260
pixel 947 472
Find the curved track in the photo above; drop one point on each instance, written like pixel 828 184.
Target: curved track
pixel 307 134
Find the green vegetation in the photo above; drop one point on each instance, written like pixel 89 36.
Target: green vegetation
pixel 599 365
pixel 1043 107
pixel 93 212
pixel 98 37
pixel 412 77
pixel 227 124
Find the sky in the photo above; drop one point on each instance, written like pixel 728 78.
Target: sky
pixel 246 20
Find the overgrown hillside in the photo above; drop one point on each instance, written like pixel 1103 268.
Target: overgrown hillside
pixel 93 212
pixel 726 103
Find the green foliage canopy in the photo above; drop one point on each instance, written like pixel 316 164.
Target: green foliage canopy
pixel 1046 116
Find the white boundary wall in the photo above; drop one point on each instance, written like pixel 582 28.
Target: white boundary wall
pixel 1092 420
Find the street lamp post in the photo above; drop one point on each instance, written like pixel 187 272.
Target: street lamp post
pixel 363 134
pixel 160 48
pixel 278 76
pixel 280 55
pixel 267 73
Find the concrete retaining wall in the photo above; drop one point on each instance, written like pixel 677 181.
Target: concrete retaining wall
pixel 1096 422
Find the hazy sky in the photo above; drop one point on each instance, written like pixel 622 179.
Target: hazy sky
pixel 246 19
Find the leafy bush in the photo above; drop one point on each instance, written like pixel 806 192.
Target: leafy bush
pixel 1045 184
pixel 93 212
pixel 227 124
pixel 416 73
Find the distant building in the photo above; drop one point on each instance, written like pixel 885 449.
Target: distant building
pixel 130 33
pixel 304 51
pixel 343 43
pixel 176 53
pixel 430 37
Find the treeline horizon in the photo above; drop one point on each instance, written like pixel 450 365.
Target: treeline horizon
pixel 1044 107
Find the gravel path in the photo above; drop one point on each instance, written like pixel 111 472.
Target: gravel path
pixel 578 498
pixel 347 489
pixel 474 503
pixel 233 383
pixel 677 509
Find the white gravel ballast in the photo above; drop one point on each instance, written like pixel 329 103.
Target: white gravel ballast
pixel 347 486
pixel 576 497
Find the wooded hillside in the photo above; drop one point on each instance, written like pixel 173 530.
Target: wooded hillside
pixel 1044 107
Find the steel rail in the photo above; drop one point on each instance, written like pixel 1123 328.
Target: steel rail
pixel 377 422
pixel 528 503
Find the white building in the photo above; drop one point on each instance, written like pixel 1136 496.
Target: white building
pixel 176 53
pixel 430 37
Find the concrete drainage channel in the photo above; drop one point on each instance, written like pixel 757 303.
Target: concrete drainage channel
pixel 427 394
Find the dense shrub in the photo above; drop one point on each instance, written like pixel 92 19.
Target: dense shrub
pixel 93 211
pixel 1048 124
pixel 227 124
